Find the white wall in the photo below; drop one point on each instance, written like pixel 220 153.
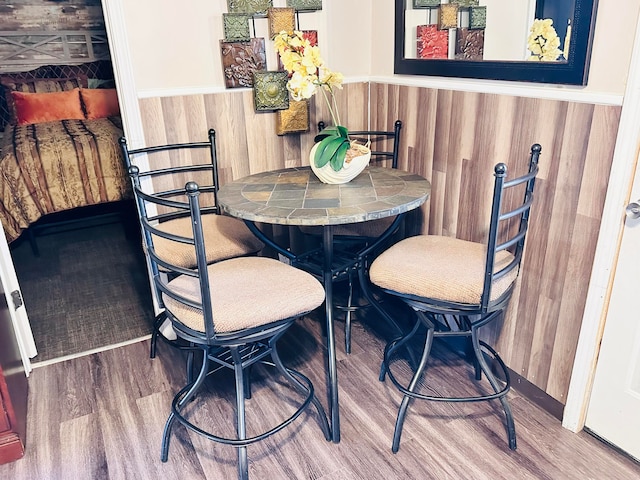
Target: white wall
pixel 176 45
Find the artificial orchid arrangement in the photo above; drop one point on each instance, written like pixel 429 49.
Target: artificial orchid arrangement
pixel 543 41
pixel 308 75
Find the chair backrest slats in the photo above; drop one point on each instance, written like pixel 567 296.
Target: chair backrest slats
pixel 504 233
pixel 158 203
pixel 153 165
pixel 377 138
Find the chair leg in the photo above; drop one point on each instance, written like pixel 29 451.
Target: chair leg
pixel 511 429
pixel 241 424
pixel 466 324
pixel 154 334
pixel 393 345
pixel 371 299
pixel 178 402
pixel 247 383
pixel 324 422
pixel 364 286
pixel 402 412
pixel 347 318
pixel 168 335
pixel 190 364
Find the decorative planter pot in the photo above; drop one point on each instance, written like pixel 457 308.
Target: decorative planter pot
pixel 351 169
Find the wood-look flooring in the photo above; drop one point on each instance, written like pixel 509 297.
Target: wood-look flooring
pixel 101 417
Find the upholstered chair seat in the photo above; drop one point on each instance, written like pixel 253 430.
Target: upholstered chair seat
pixel 370 229
pixel 225 237
pixel 442 268
pixel 238 304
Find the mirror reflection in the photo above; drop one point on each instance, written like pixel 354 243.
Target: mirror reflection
pixel 488 30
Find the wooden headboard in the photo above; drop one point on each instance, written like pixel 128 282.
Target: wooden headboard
pixel 26 50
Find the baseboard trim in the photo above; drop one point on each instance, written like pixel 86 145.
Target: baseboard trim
pixel 536 395
pixel 44 363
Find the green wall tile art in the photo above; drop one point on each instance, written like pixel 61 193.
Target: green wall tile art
pixel 270 91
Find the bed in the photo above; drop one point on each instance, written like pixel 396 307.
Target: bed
pixel 59 147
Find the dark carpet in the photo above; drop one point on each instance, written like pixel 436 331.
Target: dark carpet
pixel 88 289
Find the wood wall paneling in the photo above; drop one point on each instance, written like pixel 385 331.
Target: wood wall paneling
pixel 246 140
pixel 455 139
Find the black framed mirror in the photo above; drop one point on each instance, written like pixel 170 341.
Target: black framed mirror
pixel 572 70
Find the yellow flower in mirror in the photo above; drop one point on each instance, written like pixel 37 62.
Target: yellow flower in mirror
pixel 543 42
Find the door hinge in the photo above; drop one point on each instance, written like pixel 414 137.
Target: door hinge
pixel 17 299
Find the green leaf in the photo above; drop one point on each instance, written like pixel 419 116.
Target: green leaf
pixel 343 131
pixel 322 135
pixel 330 150
pixel 335 131
pixel 325 150
pixel 337 161
pixel 322 145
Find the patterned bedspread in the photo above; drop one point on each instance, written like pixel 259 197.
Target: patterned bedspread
pixel 55 166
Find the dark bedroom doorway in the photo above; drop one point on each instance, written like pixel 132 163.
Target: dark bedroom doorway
pixel 86 288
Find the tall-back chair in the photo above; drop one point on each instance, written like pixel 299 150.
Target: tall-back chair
pixel 456 287
pixel 351 239
pixel 233 311
pixel 164 169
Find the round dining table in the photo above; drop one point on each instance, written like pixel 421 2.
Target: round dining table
pixel 295 196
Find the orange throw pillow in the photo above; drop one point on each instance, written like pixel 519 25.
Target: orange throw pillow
pixel 100 102
pixel 47 107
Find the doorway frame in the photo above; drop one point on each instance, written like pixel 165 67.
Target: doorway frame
pixel 122 62
pixel 609 240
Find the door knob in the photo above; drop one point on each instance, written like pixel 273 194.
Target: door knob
pixel 633 210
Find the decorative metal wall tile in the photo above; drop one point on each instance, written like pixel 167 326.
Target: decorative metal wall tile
pixel 305 4
pixel 240 60
pixel 251 7
pixel 270 91
pixel 294 119
pixel 236 27
pixel 465 3
pixel 426 3
pixel 469 44
pixel 478 17
pixel 280 19
pixel 432 42
pixel 448 16
pixel 311 35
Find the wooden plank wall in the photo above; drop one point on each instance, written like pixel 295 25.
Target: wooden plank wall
pixel 246 140
pixel 454 139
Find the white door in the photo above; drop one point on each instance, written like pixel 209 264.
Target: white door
pixel 614 407
pixel 17 310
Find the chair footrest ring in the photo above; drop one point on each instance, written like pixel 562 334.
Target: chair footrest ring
pixel 476 398
pixel 234 441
